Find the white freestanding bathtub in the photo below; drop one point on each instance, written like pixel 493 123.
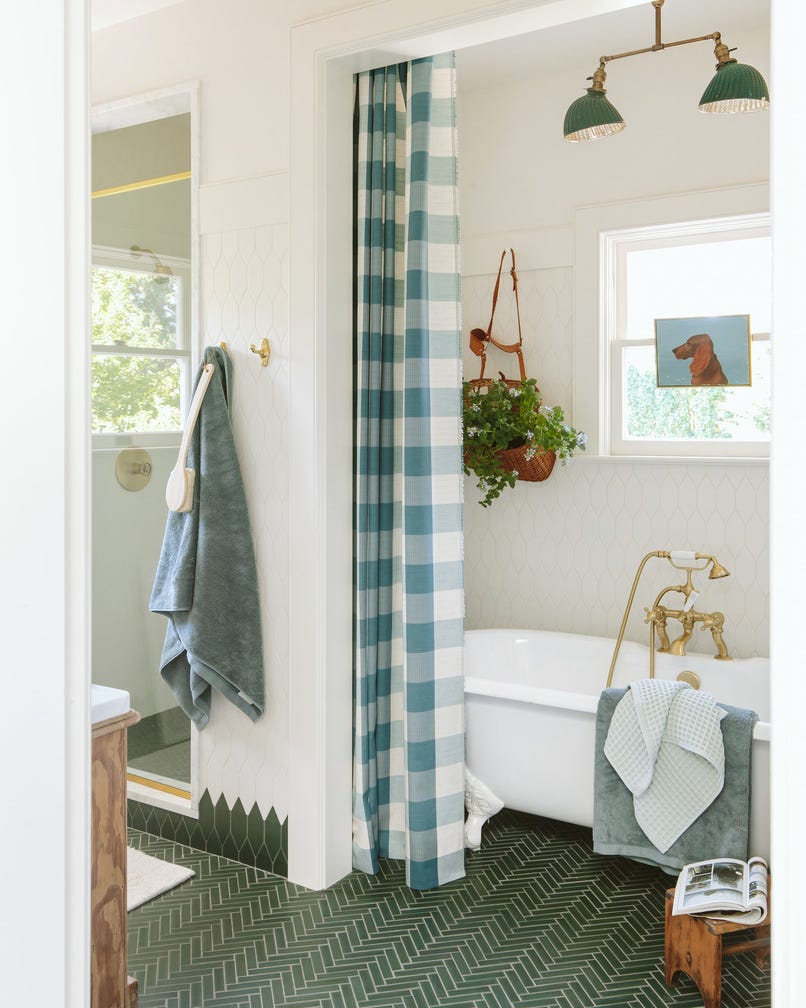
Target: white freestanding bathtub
pixel 531 699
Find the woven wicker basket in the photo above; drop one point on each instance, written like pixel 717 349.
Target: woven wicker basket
pixel 533 470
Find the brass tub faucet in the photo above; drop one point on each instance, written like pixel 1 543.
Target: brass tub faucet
pixel 658 615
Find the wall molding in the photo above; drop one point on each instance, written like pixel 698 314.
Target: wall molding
pixel 244 203
pixel 535 249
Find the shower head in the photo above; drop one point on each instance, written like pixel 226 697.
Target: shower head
pixel 688 558
pixel 717 570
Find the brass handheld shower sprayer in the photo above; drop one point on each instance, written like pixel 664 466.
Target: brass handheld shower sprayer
pixel 658 614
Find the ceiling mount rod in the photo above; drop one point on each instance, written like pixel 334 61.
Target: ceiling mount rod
pixel 660 45
pixel 657 4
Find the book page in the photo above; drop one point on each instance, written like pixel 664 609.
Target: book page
pixel 757 889
pixel 758 885
pixel 711 885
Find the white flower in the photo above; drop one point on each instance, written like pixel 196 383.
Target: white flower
pixel 582 439
pixel 476 407
pixel 530 454
pixel 514 392
pixel 472 431
pixel 515 473
pixel 530 435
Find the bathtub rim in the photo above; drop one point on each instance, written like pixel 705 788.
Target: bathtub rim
pixel 560 699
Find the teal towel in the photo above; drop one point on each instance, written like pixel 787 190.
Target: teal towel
pixel 206 580
pixel 723 829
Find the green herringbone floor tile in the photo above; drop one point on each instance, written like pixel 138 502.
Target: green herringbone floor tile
pixel 539 922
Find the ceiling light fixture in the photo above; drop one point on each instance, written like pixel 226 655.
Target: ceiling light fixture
pixel 159 267
pixel 735 87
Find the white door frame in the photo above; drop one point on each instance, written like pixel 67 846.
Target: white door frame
pixel 44 541
pixel 324 54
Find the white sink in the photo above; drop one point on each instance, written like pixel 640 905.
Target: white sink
pixel 108 702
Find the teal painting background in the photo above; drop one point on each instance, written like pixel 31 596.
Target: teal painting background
pixel 731 338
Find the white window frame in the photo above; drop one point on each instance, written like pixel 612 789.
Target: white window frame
pixel 124 259
pixel 593 309
pixel 616 247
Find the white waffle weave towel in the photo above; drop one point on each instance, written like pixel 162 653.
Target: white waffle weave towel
pixel 665 742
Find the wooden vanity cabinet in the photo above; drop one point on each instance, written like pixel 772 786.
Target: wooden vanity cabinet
pixel 108 977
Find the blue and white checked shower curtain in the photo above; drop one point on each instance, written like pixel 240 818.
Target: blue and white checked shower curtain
pixel 408 770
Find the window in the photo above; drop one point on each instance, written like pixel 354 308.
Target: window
pixel 700 268
pixel 140 354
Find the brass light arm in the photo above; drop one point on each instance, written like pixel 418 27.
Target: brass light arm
pixel 659 45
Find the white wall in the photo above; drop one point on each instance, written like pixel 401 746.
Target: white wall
pixel 240 53
pixel 562 555
pixel 244 284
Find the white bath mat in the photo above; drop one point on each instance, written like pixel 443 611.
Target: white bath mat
pixel 147 877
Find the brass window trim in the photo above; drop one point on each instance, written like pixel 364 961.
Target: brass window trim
pixel 142 184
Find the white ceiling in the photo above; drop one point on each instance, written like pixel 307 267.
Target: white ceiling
pixel 581 43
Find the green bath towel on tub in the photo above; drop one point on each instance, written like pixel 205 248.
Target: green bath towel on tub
pixel 723 829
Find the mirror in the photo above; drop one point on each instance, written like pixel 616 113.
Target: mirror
pixel 144 350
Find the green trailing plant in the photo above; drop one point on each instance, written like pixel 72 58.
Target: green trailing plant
pixel 501 416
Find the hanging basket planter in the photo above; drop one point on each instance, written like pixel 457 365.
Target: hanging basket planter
pixel 530 470
pixel 508 434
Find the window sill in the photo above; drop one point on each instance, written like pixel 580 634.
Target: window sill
pixel 699 460
pixel 130 439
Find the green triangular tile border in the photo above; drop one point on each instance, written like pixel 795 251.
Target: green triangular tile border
pixel 233 833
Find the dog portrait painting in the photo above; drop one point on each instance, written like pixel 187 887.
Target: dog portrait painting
pixel 707 351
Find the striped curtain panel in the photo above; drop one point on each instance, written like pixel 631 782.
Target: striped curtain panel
pixel 408 776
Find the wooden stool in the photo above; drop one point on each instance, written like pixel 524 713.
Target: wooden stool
pixel 693 945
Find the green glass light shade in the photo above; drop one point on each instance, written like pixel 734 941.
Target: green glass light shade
pixel 735 87
pixel 590 117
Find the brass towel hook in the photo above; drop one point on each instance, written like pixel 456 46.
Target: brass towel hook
pixel 262 351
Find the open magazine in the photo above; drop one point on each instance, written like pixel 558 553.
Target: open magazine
pixel 725 889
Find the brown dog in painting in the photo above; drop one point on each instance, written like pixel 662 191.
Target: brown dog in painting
pixel 705 367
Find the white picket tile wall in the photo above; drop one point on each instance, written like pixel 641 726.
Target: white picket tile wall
pixel 244 286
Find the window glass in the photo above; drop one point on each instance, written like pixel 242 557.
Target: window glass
pixel 134 308
pixel 723 413
pixel 706 278
pixel 671 277
pixel 134 312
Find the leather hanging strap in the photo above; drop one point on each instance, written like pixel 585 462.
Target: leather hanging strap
pixel 495 295
pixel 479 337
pixel 514 275
pixel 507 347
